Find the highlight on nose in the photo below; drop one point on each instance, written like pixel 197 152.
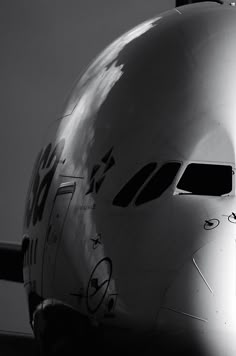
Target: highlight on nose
pixel 200 304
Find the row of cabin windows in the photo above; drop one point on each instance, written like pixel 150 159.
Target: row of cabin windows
pixel 150 182
pixel 30 251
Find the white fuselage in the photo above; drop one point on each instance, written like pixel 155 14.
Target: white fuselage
pixel 125 257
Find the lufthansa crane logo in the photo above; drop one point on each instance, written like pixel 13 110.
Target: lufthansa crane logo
pixel 98 284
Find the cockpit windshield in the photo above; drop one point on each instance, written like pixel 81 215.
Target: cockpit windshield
pixel 206 179
pixel 158 183
pixel 148 184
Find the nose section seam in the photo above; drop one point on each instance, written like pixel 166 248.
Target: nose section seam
pixel 201 274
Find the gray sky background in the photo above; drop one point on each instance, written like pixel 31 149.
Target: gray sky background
pixel 45 44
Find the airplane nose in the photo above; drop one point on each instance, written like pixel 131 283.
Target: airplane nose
pixel 199 306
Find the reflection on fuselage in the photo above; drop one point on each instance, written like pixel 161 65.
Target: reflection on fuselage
pixel 130 218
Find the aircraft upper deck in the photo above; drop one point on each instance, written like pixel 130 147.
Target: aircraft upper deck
pixel 169 84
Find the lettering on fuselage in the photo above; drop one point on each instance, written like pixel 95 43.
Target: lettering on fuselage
pixel 99 172
pixel 45 167
pixel 29 251
pixel 87 207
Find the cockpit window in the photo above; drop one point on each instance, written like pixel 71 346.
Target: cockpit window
pixel 206 179
pixel 131 188
pixel 159 182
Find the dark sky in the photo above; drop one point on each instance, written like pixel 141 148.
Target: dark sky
pixel 45 44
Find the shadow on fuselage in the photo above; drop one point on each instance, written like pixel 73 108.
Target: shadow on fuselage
pixel 66 332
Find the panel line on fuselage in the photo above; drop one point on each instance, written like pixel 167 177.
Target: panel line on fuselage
pixel 201 274
pixel 186 314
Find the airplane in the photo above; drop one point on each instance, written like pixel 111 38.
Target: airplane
pixel 129 241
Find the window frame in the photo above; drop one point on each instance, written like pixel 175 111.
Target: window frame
pixel 170 188
pixel 182 170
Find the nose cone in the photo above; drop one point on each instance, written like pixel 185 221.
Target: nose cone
pixel 199 306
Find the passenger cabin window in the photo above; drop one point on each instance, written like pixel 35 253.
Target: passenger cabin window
pixel 206 179
pixel 159 182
